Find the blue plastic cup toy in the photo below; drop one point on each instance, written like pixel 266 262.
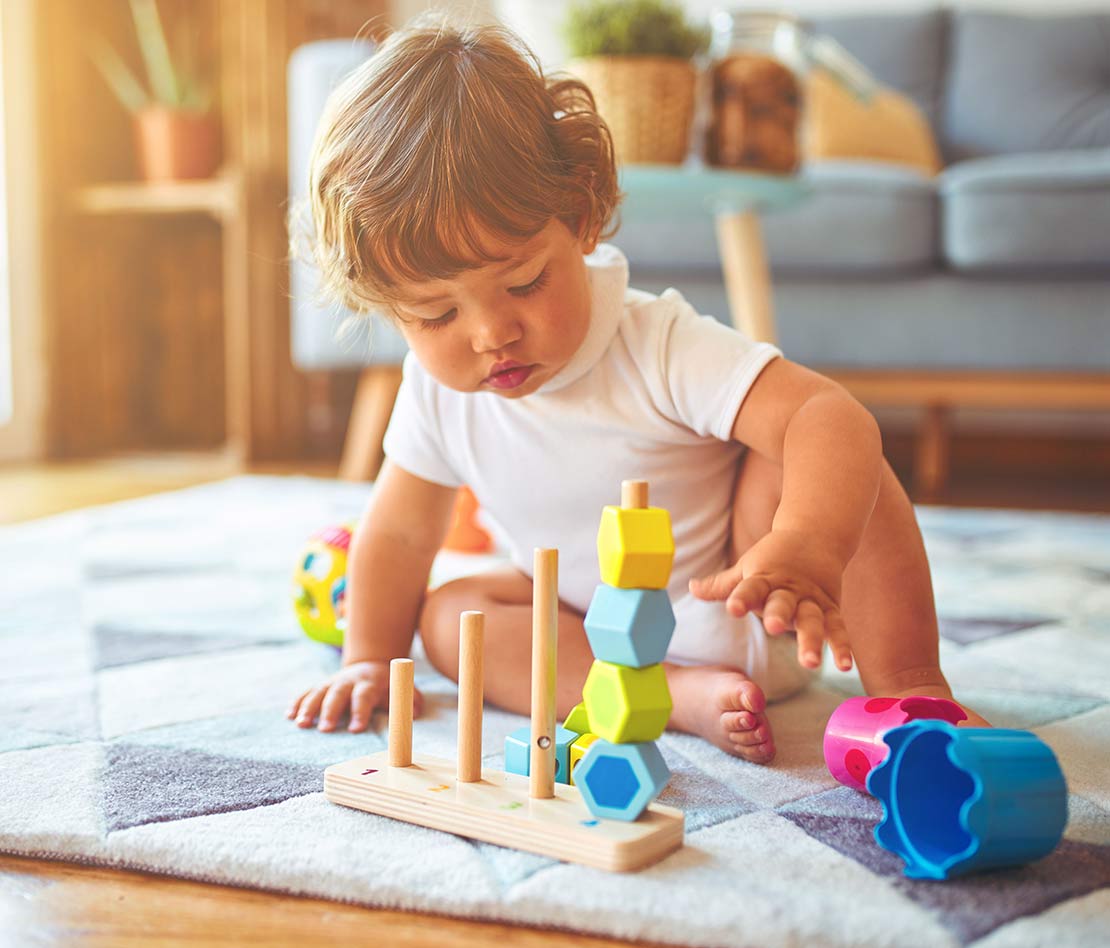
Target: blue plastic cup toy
pixel 957 800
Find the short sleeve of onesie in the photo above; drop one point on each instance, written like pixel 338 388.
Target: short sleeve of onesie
pixel 414 439
pixel 705 367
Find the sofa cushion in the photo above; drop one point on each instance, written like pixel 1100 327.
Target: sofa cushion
pixel 940 320
pixel 904 51
pixel 861 217
pixel 887 127
pixel 1027 84
pixel 1047 211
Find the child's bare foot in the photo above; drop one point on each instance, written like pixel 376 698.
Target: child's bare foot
pixel 722 705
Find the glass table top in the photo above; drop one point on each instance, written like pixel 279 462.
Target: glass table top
pixel 717 190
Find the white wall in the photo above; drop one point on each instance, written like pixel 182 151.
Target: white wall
pixel 21 435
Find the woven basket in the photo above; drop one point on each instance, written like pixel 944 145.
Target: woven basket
pixel 647 101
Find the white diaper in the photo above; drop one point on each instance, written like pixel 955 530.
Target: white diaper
pixel 706 634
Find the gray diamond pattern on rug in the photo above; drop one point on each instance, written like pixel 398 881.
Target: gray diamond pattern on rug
pixel 148 652
pixel 115 647
pixel 155 784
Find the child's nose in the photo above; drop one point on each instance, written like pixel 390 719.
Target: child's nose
pixel 496 331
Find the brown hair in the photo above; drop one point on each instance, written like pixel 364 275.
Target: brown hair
pixel 445 135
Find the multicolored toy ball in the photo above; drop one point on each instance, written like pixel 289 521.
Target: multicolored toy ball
pixel 320 585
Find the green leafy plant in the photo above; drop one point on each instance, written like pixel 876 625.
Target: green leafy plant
pixel 632 28
pixel 168 85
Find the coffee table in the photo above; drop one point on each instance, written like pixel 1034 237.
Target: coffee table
pixel 736 199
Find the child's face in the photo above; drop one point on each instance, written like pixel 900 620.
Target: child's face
pixel 505 327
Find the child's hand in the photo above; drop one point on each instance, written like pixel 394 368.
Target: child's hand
pixel 791 582
pixel 360 686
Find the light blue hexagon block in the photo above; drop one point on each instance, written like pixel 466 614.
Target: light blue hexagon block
pixel 618 781
pixel 630 626
pixel 518 747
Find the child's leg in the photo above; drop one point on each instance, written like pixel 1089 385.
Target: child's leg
pixel 721 705
pixel 887 593
pixel 505 596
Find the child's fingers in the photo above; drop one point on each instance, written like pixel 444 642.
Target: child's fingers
pixel 750 594
pixel 417 703
pixel 837 633
pixel 364 698
pixel 295 706
pixel 779 611
pixel 336 701
pixel 809 623
pixel 310 706
pixel 717 586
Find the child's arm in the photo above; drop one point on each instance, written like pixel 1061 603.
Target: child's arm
pixel 387 574
pixel 830 451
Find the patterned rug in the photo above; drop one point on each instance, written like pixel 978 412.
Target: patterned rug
pixel 148 651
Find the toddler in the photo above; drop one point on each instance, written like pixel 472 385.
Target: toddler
pixel 463 194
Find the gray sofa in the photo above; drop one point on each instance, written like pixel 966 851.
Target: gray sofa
pixel 998 270
pixel 1002 262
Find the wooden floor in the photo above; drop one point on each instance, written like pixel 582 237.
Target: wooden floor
pixel 47 904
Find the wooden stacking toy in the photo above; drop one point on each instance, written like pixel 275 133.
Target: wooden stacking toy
pixel 530 812
pixel 625 701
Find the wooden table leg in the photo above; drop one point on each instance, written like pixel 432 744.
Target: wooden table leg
pixel 362 448
pixel 747 276
pixel 931 460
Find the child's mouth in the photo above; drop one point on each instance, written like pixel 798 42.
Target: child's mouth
pixel 509 377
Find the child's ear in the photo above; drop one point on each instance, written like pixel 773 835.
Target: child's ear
pixel 587 236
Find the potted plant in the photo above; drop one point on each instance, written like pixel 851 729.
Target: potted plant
pixel 176 134
pixel 636 57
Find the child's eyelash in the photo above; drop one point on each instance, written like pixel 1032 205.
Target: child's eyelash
pixel 439 322
pixel 529 288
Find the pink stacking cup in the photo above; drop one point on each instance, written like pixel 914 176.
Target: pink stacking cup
pixel 854 735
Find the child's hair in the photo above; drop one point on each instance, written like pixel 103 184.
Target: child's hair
pixel 444 137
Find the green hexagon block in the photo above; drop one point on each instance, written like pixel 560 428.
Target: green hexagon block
pixel 578 721
pixel 635 547
pixel 626 704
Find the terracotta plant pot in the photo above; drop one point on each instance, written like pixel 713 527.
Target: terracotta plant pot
pixel 173 144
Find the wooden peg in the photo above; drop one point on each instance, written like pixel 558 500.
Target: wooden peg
pixel 400 712
pixel 471 635
pixel 545 625
pixel 634 494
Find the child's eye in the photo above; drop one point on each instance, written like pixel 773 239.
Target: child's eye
pixel 440 321
pixel 529 288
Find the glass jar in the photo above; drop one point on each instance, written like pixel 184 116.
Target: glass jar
pixel 756 77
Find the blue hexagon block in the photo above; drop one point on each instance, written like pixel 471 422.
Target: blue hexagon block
pixel 630 626
pixel 618 781
pixel 518 747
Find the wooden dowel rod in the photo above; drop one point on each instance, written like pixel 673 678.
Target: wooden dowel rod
pixel 634 494
pixel 472 626
pixel 545 626
pixel 400 712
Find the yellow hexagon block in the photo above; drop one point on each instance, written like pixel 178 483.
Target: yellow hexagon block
pixel 578 751
pixel 635 547
pixel 627 704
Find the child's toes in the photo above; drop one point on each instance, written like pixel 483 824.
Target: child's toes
pixel 749 696
pixel 752 736
pixel 738 721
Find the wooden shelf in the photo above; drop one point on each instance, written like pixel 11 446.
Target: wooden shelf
pixel 218 197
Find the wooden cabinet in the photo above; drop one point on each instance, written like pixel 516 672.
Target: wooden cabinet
pixel 166 307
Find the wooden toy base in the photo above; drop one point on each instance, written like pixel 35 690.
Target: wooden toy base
pixel 498 810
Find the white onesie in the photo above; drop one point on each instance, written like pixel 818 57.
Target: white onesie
pixel 652 393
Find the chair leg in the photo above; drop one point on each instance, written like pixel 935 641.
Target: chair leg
pixel 362 448
pixel 931 461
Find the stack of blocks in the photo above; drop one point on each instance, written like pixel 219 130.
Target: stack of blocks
pixel 606 747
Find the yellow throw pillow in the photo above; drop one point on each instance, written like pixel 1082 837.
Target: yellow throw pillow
pixel 885 127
